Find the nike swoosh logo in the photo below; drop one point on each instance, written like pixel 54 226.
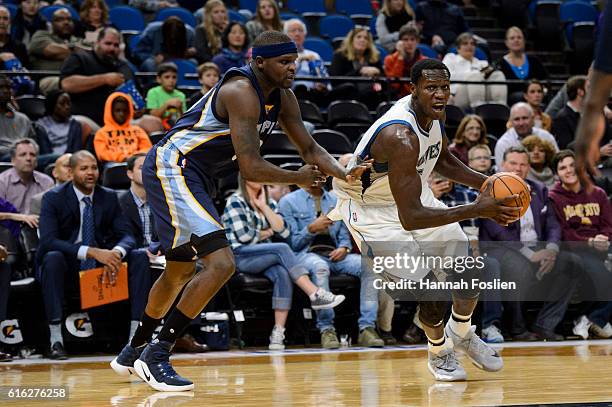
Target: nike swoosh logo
pixel 147 377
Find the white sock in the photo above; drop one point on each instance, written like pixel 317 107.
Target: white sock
pixel 281 329
pixel 55 331
pixel 460 324
pixel 313 296
pixel 133 326
pixel 436 346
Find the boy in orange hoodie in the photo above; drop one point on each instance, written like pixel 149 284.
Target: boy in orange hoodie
pixel 118 139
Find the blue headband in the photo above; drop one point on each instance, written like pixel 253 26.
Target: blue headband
pixel 276 50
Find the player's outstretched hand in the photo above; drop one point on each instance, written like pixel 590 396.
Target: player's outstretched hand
pixel 497 209
pixel 356 167
pixel 310 176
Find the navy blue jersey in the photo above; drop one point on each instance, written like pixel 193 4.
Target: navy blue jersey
pixel 603 51
pixel 203 137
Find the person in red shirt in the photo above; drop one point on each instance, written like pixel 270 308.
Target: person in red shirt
pixel 406 55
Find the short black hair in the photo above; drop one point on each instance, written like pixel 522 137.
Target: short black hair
pixel 132 160
pixel 121 99
pixel 166 67
pixel 515 149
pixel 271 38
pixel 426 64
pixel 51 100
pixel 78 156
pixel 560 156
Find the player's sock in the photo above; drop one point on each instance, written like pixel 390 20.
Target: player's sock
pixel 55 331
pixel 436 346
pixel 133 326
pixel 460 324
pixel 175 324
pixel 144 331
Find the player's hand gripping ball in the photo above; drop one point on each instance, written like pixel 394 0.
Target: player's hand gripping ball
pixel 506 184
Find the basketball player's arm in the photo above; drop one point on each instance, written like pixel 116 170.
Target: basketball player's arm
pixel 454 169
pixel 238 101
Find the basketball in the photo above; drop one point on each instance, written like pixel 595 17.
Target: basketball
pixel 506 184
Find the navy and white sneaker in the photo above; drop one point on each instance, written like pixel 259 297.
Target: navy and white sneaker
pixel 153 366
pixel 123 364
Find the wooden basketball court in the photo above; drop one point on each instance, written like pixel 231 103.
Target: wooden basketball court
pixel 570 372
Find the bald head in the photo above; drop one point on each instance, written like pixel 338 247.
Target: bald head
pixel 62 24
pixel 80 155
pixel 62 171
pixel 5 21
pixel 521 117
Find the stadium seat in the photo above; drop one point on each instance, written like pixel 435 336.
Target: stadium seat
pixel 492 142
pixel 321 47
pixel 287 15
pixel 454 115
pixel 307 6
pixel 495 117
pixel 427 51
pixel 353 131
pixel 354 8
pixel 574 11
pixel 127 19
pixel 184 67
pixel 115 3
pixel 12 8
pixel 278 149
pixel 311 113
pixel 333 141
pixel 233 15
pixel 250 5
pixel 191 5
pixel 48 11
pixel 547 22
pixel 184 15
pixel 383 52
pixel 580 37
pixel 373 28
pixel 382 108
pixel 347 111
pixel 335 26
pixel 32 106
pixel 114 176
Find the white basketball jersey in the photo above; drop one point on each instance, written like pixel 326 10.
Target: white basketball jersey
pixel 374 189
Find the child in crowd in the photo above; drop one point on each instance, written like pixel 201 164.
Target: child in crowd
pixel 165 101
pixel 118 140
pixel 208 76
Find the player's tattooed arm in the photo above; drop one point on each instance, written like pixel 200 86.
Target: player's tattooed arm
pixel 453 168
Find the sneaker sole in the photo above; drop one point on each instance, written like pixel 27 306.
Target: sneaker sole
pixel 276 347
pixel 479 365
pixel 445 378
pixel 122 370
pixel 337 301
pixel 142 370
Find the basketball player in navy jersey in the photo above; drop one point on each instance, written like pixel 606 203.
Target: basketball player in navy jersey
pixel 393 203
pixel 590 131
pixel 220 134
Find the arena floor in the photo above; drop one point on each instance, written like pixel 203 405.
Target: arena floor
pixel 567 373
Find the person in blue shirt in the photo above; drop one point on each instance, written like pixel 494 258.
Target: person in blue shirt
pixel 304 210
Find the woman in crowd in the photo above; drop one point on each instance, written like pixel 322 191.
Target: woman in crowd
pixel 235 48
pixel 209 34
pixel 94 17
pixel 267 18
pixel 392 16
pixel 541 153
pixel 516 64
pixel 359 57
pixel 65 133
pixel 471 131
pixel 534 94
pixel 250 219
pixel 464 66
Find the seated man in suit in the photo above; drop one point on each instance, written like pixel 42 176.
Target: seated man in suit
pixel 81 227
pixel 140 222
pixel 534 261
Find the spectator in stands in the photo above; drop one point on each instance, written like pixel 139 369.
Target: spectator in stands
pixel 276 192
pixel 479 159
pixel 471 131
pixel 81 226
pixel 586 217
pixel 516 64
pixel 534 93
pixel 165 101
pixel 65 133
pixel 393 15
pixel 464 66
pixel 267 18
pixel 13 125
pixel 163 42
pixel 62 173
pixel 235 48
pixel 208 76
pixel 209 34
pixel 119 139
pixel 49 50
pixel 440 23
pixel 19 184
pixel 522 119
pixel 535 259
pixel 152 6
pixel 27 21
pixel 309 63
pixel 358 56
pixel 250 219
pixel 399 64
pixel 10 48
pixel 94 17
pixel 541 153
pixel 304 210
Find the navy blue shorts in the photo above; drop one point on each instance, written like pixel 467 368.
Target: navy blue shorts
pixel 179 196
pixel 603 52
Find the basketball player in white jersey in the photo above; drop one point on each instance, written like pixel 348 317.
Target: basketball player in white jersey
pixel 393 203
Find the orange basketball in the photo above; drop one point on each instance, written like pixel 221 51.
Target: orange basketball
pixel 506 184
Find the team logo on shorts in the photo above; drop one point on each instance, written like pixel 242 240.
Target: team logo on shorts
pixel 10 333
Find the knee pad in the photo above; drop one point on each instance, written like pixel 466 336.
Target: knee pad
pixel 199 246
pixel 431 313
